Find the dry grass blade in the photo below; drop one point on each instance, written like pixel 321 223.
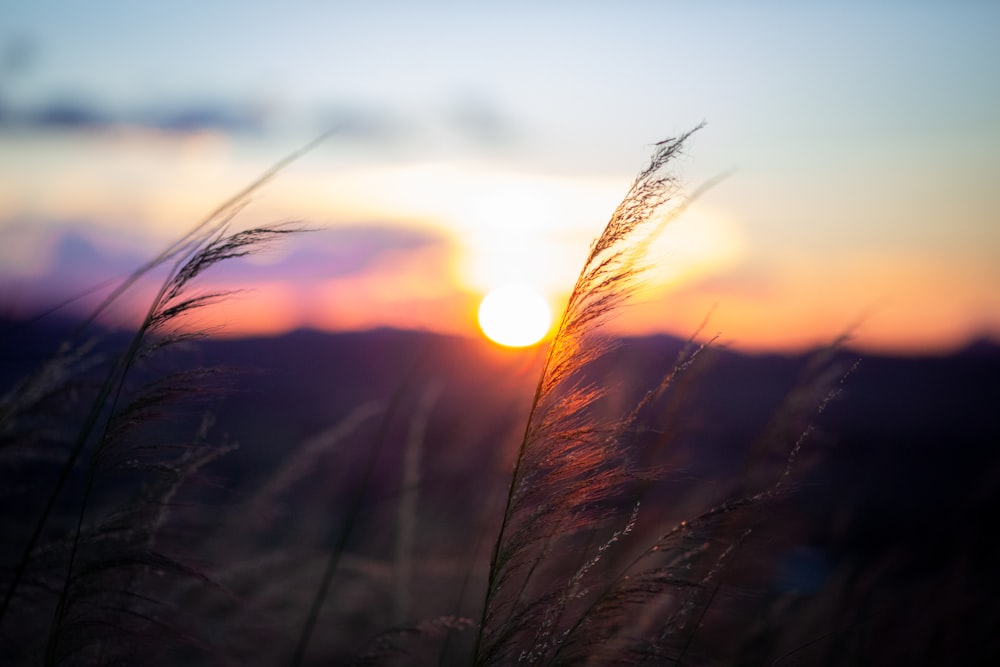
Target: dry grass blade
pixel 569 470
pixel 209 234
pixel 113 438
pixel 672 583
pixel 112 443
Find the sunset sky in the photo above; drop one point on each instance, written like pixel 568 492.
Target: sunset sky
pixel 478 143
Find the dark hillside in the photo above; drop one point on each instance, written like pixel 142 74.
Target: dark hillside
pixel 886 529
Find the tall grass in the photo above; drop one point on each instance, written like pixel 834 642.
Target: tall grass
pixel 578 480
pixel 586 565
pixel 115 474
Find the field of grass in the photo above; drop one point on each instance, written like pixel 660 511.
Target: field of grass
pixel 391 498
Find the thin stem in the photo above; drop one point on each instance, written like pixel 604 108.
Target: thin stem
pixel 188 245
pixel 354 511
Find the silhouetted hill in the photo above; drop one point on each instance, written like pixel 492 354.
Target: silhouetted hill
pixel 893 509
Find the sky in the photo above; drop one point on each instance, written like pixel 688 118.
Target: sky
pixel 476 144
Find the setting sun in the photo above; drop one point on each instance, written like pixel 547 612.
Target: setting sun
pixel 514 316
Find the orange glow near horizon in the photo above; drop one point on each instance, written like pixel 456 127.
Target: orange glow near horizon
pixel 481 228
pixel 784 321
pixel 794 309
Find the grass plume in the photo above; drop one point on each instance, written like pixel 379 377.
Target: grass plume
pixel 576 473
pixel 569 470
pixel 103 553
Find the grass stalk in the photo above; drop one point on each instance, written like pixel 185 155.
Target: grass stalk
pixel 559 403
pixel 204 245
pixel 353 512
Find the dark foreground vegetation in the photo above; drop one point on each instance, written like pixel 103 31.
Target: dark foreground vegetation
pixel 329 499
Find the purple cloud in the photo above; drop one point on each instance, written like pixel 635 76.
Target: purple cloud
pixel 339 252
pixel 77 257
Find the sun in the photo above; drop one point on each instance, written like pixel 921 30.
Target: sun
pixel 514 316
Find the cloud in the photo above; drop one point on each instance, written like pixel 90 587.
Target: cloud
pixel 478 118
pixel 54 115
pixel 339 252
pixel 471 118
pixel 65 250
pixel 194 118
pixel 365 123
pixel 82 262
pixel 76 255
pixel 462 121
pixel 76 264
pixel 75 114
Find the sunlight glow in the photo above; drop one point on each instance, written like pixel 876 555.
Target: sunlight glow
pixel 514 315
